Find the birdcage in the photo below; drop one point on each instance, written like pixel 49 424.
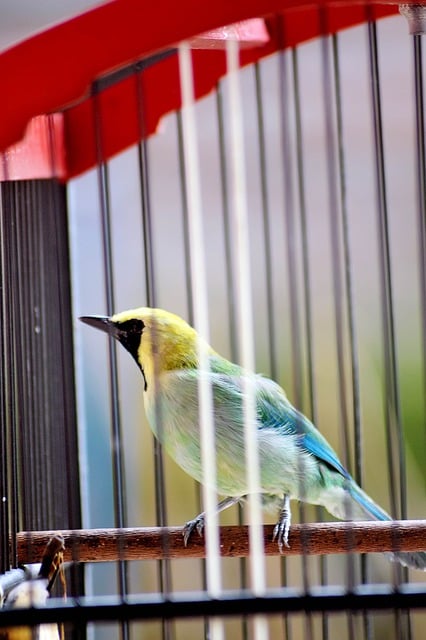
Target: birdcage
pixel 259 170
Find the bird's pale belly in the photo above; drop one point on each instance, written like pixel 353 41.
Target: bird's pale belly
pixel 181 441
pixel 280 467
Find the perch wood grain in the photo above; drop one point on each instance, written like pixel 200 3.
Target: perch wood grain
pixel 154 543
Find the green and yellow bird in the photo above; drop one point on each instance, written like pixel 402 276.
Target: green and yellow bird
pixel 296 461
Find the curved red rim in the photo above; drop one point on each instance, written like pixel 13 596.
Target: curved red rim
pixel 53 71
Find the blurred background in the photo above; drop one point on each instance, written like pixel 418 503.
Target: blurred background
pixel 271 262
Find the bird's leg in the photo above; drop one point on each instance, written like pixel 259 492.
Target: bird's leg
pixel 198 522
pixel 282 527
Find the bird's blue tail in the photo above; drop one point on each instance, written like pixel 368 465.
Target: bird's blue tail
pixel 371 509
pixel 412 559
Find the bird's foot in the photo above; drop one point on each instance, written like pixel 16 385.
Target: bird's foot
pixel 281 531
pixel 192 525
pixel 198 522
pixel 282 528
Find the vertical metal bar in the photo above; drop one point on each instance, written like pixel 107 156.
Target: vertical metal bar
pixel 244 315
pixel 307 296
pixel 350 307
pixel 37 342
pixel 230 284
pixel 15 381
pixel 394 427
pixel 35 419
pixel 22 386
pixel 20 380
pixel 291 235
pixel 336 248
pixel 6 435
pixel 338 283
pixel 227 234
pixel 347 259
pixel 421 205
pixel 266 221
pixel 116 433
pixel 201 323
pixel 165 578
pixel 185 223
pixel 392 401
pixel 291 244
pixel 306 269
pixel 14 293
pixel 421 187
pixel 190 296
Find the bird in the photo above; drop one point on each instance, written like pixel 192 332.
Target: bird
pixel 295 460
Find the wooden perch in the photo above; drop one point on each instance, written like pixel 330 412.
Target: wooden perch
pixel 105 545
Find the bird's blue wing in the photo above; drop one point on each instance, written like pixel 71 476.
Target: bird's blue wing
pixel 275 411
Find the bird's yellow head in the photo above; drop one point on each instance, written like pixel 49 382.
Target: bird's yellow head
pixel 158 340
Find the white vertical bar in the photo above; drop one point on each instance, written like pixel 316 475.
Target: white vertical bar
pixel 244 309
pixel 201 322
pixel 81 385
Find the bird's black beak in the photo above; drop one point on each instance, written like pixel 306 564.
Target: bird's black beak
pixel 128 333
pixel 103 323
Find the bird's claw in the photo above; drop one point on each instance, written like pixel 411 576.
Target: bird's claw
pixel 282 528
pixel 281 531
pixel 192 525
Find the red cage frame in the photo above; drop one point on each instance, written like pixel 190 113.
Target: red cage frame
pixel 54 70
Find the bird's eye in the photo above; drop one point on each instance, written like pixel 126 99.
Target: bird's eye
pixel 133 326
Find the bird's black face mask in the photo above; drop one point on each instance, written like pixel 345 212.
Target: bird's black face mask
pixel 128 333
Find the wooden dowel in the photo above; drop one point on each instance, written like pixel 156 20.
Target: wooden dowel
pixel 154 543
